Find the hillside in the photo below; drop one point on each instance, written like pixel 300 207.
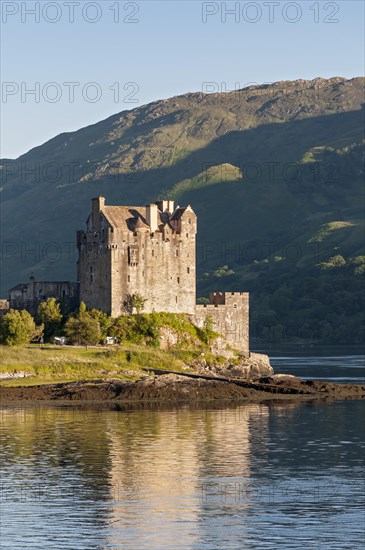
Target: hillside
pixel 274 173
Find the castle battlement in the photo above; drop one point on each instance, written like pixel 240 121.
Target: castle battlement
pixel 230 314
pixel 228 298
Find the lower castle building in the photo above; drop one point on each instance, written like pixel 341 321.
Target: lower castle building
pixel 151 251
pixel 29 295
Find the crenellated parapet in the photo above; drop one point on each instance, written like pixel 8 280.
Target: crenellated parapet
pixel 230 314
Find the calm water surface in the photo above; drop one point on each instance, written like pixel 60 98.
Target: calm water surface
pixel 256 476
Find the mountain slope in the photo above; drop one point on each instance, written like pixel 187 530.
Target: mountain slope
pixel 266 168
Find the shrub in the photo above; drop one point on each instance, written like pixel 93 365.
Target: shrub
pixel 334 261
pixel 208 334
pixel 83 328
pixel 49 313
pixel 135 302
pixel 18 327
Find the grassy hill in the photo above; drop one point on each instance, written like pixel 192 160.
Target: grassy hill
pixel 274 172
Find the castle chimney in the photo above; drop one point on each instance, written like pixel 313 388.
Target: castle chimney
pixel 165 206
pixel 97 204
pixel 162 205
pixel 151 216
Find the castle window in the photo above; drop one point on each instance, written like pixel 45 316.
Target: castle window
pixel 189 220
pixel 133 255
pixel 178 280
pixel 188 269
pixel 176 299
pixel 187 235
pixel 129 279
pixel 235 306
pixel 153 253
pixel 176 252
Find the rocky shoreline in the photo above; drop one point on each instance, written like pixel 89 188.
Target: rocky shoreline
pixel 187 388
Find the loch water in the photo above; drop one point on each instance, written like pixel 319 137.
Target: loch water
pixel 268 476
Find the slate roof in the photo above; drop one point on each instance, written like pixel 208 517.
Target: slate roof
pixel 129 217
pixel 123 216
pixel 178 213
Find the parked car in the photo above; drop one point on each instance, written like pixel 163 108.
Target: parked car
pixel 110 340
pixel 60 340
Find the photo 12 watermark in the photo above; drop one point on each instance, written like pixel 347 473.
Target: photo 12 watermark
pixel 273 171
pixel 245 91
pixel 69 92
pixel 28 493
pixel 270 12
pixel 64 173
pixel 227 253
pixel 249 492
pixel 70 12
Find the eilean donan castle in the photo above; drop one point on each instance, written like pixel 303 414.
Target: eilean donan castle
pixel 151 250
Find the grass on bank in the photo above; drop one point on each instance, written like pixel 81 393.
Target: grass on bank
pixel 54 364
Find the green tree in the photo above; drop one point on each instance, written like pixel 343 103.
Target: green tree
pixel 82 308
pixel 125 328
pixel 137 328
pixel 223 271
pixel 83 328
pixel 18 327
pixel 135 302
pixel 103 319
pixel 148 328
pixel 334 261
pixel 208 333
pixel 49 313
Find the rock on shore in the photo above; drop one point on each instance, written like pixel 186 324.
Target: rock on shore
pixel 172 388
pixel 253 367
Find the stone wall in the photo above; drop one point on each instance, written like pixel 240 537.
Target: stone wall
pixel 160 268
pixel 230 314
pixel 94 271
pixel 30 295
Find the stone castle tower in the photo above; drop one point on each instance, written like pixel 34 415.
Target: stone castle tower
pixel 151 250
pixel 148 250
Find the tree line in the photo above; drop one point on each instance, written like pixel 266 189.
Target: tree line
pixel 92 326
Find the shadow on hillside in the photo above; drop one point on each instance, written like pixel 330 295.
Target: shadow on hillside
pixel 270 143
pixel 46 211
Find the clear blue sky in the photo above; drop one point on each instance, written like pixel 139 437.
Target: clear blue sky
pixel 167 50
